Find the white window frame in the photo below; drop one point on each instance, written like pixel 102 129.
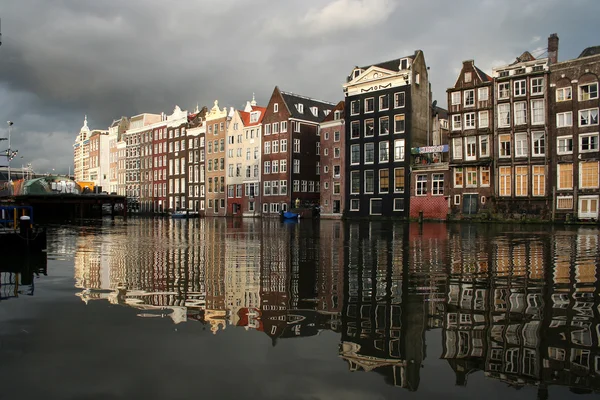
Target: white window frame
pixel 400 155
pixel 580 95
pixel 564 94
pixel 385 151
pixel 456 122
pixel 566 140
pixel 590 114
pixel 588 135
pixel 455 98
pixel 355 162
pixel 504 109
pixel 469 121
pixel 469 95
pixel 535 135
pixel 541 115
pixel 296 167
pixel 366 102
pixel 371 205
pixel 352 103
pixel 535 86
pixel 470 148
pixel 354 204
pixel 486 119
pixel 521 145
pixel 365 191
pixel 483 94
pixel 520 112
pixel 482 139
pixel 457 151
pixel 564 119
pixel 503 88
pixel 520 88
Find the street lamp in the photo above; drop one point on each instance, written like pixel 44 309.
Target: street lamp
pixel 9 154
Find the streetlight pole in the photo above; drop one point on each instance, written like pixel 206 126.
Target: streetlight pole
pixel 9 151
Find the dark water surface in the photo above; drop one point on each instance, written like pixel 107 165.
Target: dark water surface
pixel 229 309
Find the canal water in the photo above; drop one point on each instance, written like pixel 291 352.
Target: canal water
pixel 228 309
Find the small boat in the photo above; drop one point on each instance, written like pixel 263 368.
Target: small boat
pixel 290 215
pixel 180 215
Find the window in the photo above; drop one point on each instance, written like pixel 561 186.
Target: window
pixel 437 184
pixel 283 126
pixel 399 122
pixel 283 187
pixel 283 146
pixel 470 148
pixel 354 203
pixel 398 180
pixel 520 113
pixel 354 107
pixel 563 94
pixel 588 175
pixel 468 77
pixel 355 154
pixel 539 180
pixel 588 142
pixel 471 173
pixel 275 107
pixel 469 120
pixel 504 90
pixel 326 135
pixel 296 166
pixel 537 112
pixel 564 144
pixel 469 98
pixel 484 121
pixel 456 122
pixel 369 127
pixel 520 87
pixel 505 181
pixel 399 100
pixel 336 152
pixel 369 181
pixel 296 145
pixel 296 126
pixel 458 177
pixel 564 119
pixel 384 125
pixel 398 204
pixel 267 188
pixel 369 153
pixel 399 150
pixel 384 102
pixel 538 143
pixel 336 136
pixel 318 148
pixel 537 85
pixel 484 146
pixel 369 105
pixel 304 186
pixel 336 188
pixel 267 147
pixel 588 91
pixel 564 174
pixel 275 167
pixel 521 181
pixel 384 151
pixel 521 148
pixel 504 115
pixel 296 186
pixel 564 202
pixel 483 94
pixel 354 130
pixel 421 185
pixel 455 98
pixel 300 108
pixel 355 182
pixel 275 145
pixel 484 173
pixel 457 148
pixel 384 180
pixel 275 127
pixel 588 117
pixel 282 167
pixel 505 145
pixel 336 171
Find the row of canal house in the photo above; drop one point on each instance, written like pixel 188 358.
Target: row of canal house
pixel 524 141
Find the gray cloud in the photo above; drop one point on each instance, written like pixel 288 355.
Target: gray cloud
pixel 61 60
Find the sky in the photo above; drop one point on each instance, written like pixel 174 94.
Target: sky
pixel 61 60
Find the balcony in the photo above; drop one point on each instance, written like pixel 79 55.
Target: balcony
pixel 430 158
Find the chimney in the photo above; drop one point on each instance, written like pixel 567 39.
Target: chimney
pixel 553 49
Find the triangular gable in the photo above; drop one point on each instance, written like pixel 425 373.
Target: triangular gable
pixel 369 75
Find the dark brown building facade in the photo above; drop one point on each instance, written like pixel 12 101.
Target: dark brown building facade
pixel 333 158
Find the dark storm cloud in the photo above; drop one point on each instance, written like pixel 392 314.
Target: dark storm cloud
pixel 61 60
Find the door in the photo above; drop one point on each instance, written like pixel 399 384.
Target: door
pixel 469 203
pixel 336 206
pixel 588 207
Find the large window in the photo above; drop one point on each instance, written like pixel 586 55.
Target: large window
pixel 399 180
pixel 520 113
pixel 537 86
pixel 369 105
pixel 505 145
pixel 521 181
pixel 457 148
pixel 469 120
pixel 384 125
pixel 484 120
pixel 564 144
pixel 399 123
pixel 484 146
pixel 399 100
pixel 437 184
pixel 384 180
pixel 355 154
pixel 369 128
pixel 504 90
pixel 504 115
pixel 355 129
pixel 588 175
pixel 538 143
pixel 421 185
pixel 456 122
pixel 505 182
pixel 588 117
pixel 520 88
pixel 399 150
pixel 563 94
pixel 537 112
pixel 470 148
pixel 369 153
pixel 455 98
pixel 471 173
pixel 564 119
pixel 384 151
pixel 469 98
pixel 588 91
pixel 565 176
pixel 458 177
pixel 484 176
pixel 354 182
pixel 354 107
pixel 539 180
pixel 588 142
pixel 369 181
pixel 384 102
pixel 483 94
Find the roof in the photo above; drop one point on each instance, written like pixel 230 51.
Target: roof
pixel 245 116
pixel 391 65
pixel 590 51
pixel 339 107
pixel 525 57
pixel 482 75
pixel 291 100
pixel 442 112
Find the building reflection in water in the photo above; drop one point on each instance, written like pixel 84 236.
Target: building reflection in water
pixel 519 305
pixel 18 274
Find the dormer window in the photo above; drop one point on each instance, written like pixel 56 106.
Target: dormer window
pixel 315 111
pixel 300 108
pixel 404 64
pixel 254 117
pixel 356 73
pixel 503 74
pixel 336 115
